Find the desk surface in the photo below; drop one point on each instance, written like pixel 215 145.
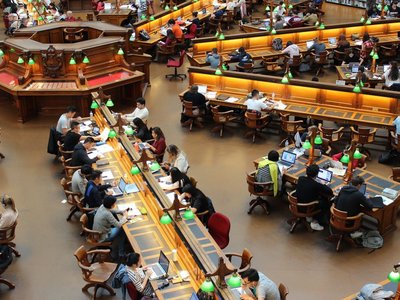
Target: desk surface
pixel 387 286
pixel 345 73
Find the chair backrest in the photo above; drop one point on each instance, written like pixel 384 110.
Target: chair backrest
pixel 250 119
pixel 247 256
pixel 341 222
pixel 8 234
pixel 296 60
pixel 219 227
pixel 251 186
pixel 246 67
pixel 326 132
pixel 82 257
pixel 396 174
pixel 188 108
pixel 290 127
pixel 365 136
pixel 132 291
pixel 323 57
pixel 193 29
pixel 219 117
pixel 283 292
pixel 182 57
pixel 228 17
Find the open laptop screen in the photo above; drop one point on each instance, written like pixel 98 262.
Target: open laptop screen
pixel 164 262
pixel 309 44
pixel 122 184
pixel 325 175
pixel 289 157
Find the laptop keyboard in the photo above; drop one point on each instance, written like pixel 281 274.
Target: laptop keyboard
pixel 158 271
pixel 285 163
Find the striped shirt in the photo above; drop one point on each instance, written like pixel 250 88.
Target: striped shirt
pixel 137 277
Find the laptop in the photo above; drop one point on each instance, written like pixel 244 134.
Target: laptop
pixel 324 176
pixel 202 89
pixel 104 134
pixel 160 269
pixel 194 296
pixel 309 44
pixel 288 159
pixel 332 40
pixel 143 146
pixel 354 67
pixel 123 187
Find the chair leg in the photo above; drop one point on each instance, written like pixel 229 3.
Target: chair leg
pixel 74 209
pixel 88 286
pixel 108 288
pixel 221 131
pixel 10 285
pixel 96 287
pixel 259 202
pixel 2 156
pixel 176 75
pixel 17 254
pixel 293 222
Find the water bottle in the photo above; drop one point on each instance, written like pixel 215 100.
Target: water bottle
pixel 273 96
pixel 91 115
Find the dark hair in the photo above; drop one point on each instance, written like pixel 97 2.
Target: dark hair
pixel 141 100
pixel 86 170
pixel 88 140
pixel 9 202
pixel 358 180
pixel 158 132
pixel 171 22
pixel 173 149
pixel 242 50
pixel 170 34
pixel 214 50
pixel 96 174
pixel 289 43
pixel 132 259
pixel 251 275
pixel 361 69
pixel 365 37
pixel 71 109
pixel 394 71
pixel 194 14
pixel 278 18
pixel 312 170
pixel 74 124
pixel 190 189
pixel 280 2
pixel 342 37
pixel 273 155
pixel 254 93
pixel 138 122
pixel 109 201
pixel 194 88
pixel 177 175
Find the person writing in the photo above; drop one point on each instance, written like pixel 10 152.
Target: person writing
pixel 9 214
pixel 176 158
pixel 392 75
pixel 254 104
pixel 176 180
pixel 73 137
pixel 140 279
pixel 198 201
pixel 80 155
pixel 197 99
pixel 142 132
pixel 261 286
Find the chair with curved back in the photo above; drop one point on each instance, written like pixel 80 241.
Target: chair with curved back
pixel 294 65
pixel 219 227
pixel 388 53
pixel 6 259
pixel 192 32
pixel 189 111
pixel 73 35
pixel 7 235
pixel 283 291
pixel 395 174
pixel 290 128
pixel 340 56
pixel 64 153
pixel 259 189
pixel 221 118
pixel 245 259
pixel 320 60
pixel 172 63
pixel 214 24
pixel 166 50
pixel 394 141
pixel 332 134
pixel 246 68
pixel 255 123
pixel 344 225
pixel 301 211
pixel 70 197
pixel 92 236
pixel 69 170
pixel 227 19
pixel 363 136
pixel 95 274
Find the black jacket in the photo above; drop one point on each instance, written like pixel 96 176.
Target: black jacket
pixel 71 139
pixel 197 99
pixel 350 200
pixel 309 190
pixel 80 156
pixel 94 194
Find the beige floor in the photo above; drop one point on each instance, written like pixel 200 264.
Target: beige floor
pixel 47 270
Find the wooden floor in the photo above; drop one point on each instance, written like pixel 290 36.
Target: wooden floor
pixel 47 270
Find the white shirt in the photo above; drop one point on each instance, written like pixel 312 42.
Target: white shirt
pixel 181 162
pixel 254 104
pixel 8 218
pixel 388 81
pixel 279 12
pixel 63 123
pixel 292 50
pixel 138 113
pixel 396 123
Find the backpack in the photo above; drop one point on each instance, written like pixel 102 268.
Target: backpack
pixel 277 44
pixel 372 239
pixel 143 35
pixel 120 280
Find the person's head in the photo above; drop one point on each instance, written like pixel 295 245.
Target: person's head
pixel 71 111
pixel 53 10
pixel 394 71
pixel 25 21
pixel 242 50
pixel 194 89
pixel 172 150
pixel 171 22
pixel 312 171
pixel 157 133
pixel 69 13
pixel 255 94
pixel 273 155
pixel 8 202
pixel 315 78
pixel 133 259
pixel 176 175
pixel 12 17
pixel 280 3
pixel 361 69
pixel 289 43
pixel 189 190
pixel 214 50
pixel 278 18
pixel 75 126
pixel 342 38
pixel 194 14
pixel 357 181
pixel 365 37
pixel 86 170
pixel 109 201
pixel 250 278
pixel 138 123
pixel 96 176
pixel 88 143
pixel 140 103
pixel 170 34
pixel 316 40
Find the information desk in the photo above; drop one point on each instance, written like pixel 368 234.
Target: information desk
pixel 386 284
pixel 259 44
pixel 197 251
pixel 345 73
pixel 304 98
pixel 375 184
pixel 113 16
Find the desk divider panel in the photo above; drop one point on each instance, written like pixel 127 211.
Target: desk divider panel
pixel 377 103
pixel 302 94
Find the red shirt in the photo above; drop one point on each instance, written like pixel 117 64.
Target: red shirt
pixel 160 146
pixel 70 19
pixel 355 162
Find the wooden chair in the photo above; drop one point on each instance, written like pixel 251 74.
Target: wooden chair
pixel 73 35
pixel 265 190
pixel 7 235
pixel 95 274
pixel 389 53
pixel 70 197
pixel 193 181
pixel 395 141
pixel 200 31
pixel 227 19
pixel 272 64
pixel 6 258
pixel 167 50
pixel 245 259
pixel 332 134
pixel 255 123
pixel 344 225
pixel 283 292
pixel 89 17
pixel 192 117
pixel 247 67
pixel 219 227
pixel 214 24
pixel 301 211
pixel 290 128
pixel 92 236
pixel 395 174
pixel 65 154
pixel 339 57
pixel 363 136
pixel 221 118
pixel 295 63
pixel 320 60
pixel 69 170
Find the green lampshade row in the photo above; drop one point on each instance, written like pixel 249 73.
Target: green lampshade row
pixel 207 286
pixel 109 103
pixel 218 71
pixel 394 276
pixel 135 170
pixel 112 134
pixel 165 219
pixel 94 105
pixel 318 140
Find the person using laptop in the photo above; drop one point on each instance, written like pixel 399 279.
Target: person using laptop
pixel 142 132
pixel 268 171
pixel 79 179
pixel 318 47
pixel 198 201
pixel 140 111
pixel 95 191
pixel 197 99
pixel 260 285
pixel 140 280
pixel 73 137
pixel 176 158
pixel 80 155
pixel 309 189
pixel 292 50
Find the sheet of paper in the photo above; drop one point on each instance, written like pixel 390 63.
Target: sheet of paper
pixel 280 105
pixel 84 128
pixel 87 123
pixel 165 179
pixel 107 175
pixel 104 148
pixel 133 211
pixel 171 197
pixel 386 200
pixel 337 172
pixel 165 186
pixel 211 95
pixel 231 99
pixel 298 151
pixel 93 154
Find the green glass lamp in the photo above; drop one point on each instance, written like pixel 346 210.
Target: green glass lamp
pixel 267 8
pixel 207 286
pixel 394 276
pixel 290 75
pixel 216 34
pixel 372 52
pixel 345 159
pixel 285 79
pixel 135 170
pixel 129 130
pixel 221 36
pixel 318 140
pixel 276 9
pixel 29 1
pixel 155 166
pixel 234 281
pixel 20 60
pixel 109 103
pixel 224 67
pixel 284 5
pixel 1 52
pixel 72 61
pixel 357 154
pixel 175 7
pixel 322 26
pixel 188 214
pixel 218 71
pixel 375 56
pixel 386 8
pixel 166 7
pixel 357 89
pixel 120 51
pixel 151 18
pixel 368 22
pixel 94 105
pixel 143 17
pixel 361 84
pixel 290 6
pixel 307 145
pixel 379 6
pixel 362 19
pixel 273 31
pixel 165 219
pixel 112 134
pixel 31 61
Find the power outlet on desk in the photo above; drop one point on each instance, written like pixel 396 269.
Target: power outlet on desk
pixel 163 284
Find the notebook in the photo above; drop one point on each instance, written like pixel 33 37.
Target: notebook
pixel 104 134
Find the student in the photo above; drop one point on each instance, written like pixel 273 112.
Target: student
pixel 158 146
pixel 140 280
pixel 79 179
pixel 140 111
pixel 342 43
pixel 254 104
pixel 70 17
pixel 195 19
pixel 73 137
pixel 64 122
pixel 80 155
pixel 260 285
pixel 95 191
pixel 357 163
pixel 268 171
pixel 213 58
pixel 141 8
pixel 198 201
pixel 291 49
pixel 279 11
pixel 280 23
pixel 197 99
pixel 168 42
pixel 391 75
pixel 366 48
pixel 142 132
pixel 240 56
pixel 176 158
pixel 177 180
pixel 318 47
pixel 9 214
pixel 176 29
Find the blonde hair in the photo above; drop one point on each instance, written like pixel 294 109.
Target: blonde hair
pixel 7 201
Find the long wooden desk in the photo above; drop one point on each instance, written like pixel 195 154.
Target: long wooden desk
pixel 197 251
pixel 344 73
pixel 259 44
pixel 386 284
pixel 375 184
pixel 304 98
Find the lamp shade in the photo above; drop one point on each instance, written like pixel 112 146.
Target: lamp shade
pixel 129 130
pixel 357 154
pixel 72 61
pixel 224 67
pixel 285 79
pixel 372 52
pixel 151 18
pixel 207 286
pixel 345 159
pixel 361 84
pixel 143 17
pixel 267 8
pixel 273 31
pixel 165 219
pixel 290 75
pixel 86 60
pixel 175 7
pixel 394 276
pixel 234 281
pixel 316 23
pixel 120 51
pixel 31 61
pixel 109 103
pixel 112 134
pixel 20 60
pixel 155 166
pixel 368 22
pixel 322 26
pixel 357 89
pixel 1 52
pixel 379 6
pixel 94 105
pixel 283 5
pixel 188 214
pixel 375 56
pixel 307 145
pixel 362 19
pixel 135 170
pixel 290 6
pixel 318 140
pixel 166 7
pixel 218 71
pixel 386 8
pixel 221 36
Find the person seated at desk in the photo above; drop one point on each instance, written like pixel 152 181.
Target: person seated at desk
pixel 392 76
pixel 362 75
pixel 140 279
pixel 158 145
pixel 309 190
pixel 176 181
pixel 295 21
pixel 279 10
pixel 128 22
pixel 95 191
pixel 195 19
pixel 280 23
pixel 342 43
pixel 310 18
pixel 142 132
pixel 394 10
pixel 176 158
pixel 79 179
pixel 176 29
pixel 213 58
pixel 197 99
pixel 242 57
pixel 162 45
pixel 73 137
pixel 198 201
pixel 291 49
pixel 268 170
pixel 255 104
pixel 80 155
pixel 100 5
pixel 110 228
pixel 318 47
pixel 140 111
pixel 70 17
pixel 373 12
pixel 260 285
pixel 9 214
pixel 357 163
pixel 64 122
